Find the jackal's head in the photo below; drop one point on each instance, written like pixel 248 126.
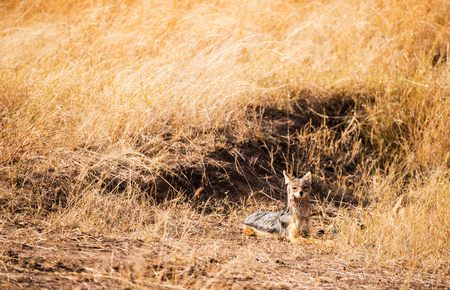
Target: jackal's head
pixel 298 188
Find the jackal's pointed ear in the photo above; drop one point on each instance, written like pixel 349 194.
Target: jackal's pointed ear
pixel 287 178
pixel 307 177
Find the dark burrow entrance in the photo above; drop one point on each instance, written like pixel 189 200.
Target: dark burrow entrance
pixel 323 136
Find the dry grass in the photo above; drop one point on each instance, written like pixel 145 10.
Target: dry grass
pixel 106 105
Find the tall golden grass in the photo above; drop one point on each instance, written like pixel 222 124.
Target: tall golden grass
pixel 94 83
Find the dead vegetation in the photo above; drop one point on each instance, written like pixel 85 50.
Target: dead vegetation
pixel 144 132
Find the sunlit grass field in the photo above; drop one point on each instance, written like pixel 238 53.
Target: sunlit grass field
pixel 93 91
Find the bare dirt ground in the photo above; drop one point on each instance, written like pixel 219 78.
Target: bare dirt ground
pixel 33 258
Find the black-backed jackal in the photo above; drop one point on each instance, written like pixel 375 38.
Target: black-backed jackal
pixel 293 221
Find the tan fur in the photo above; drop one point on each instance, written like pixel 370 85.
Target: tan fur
pixel 293 232
pixel 248 230
pixel 299 205
pixel 253 232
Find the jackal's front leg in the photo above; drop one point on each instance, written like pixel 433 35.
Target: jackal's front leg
pixel 294 235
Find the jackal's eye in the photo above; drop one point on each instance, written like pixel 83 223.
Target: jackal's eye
pixel 295 188
pixel 306 187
